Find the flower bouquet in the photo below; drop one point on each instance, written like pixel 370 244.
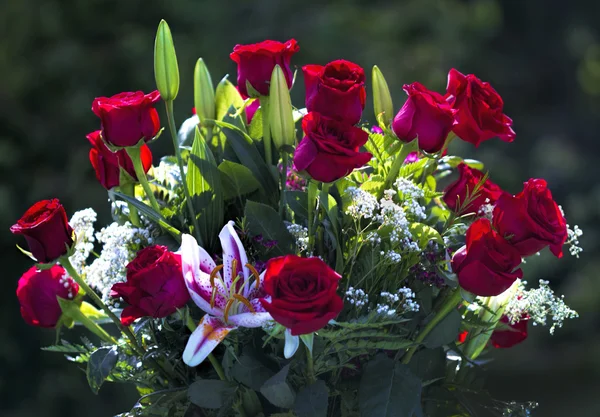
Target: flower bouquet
pixel 293 261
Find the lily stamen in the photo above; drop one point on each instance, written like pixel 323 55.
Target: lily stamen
pixel 227 308
pixel 244 301
pixel 255 273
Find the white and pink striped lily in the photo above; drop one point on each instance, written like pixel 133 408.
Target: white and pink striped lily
pixel 229 293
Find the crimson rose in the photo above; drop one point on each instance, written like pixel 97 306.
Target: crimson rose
pixel 486 266
pixel 329 149
pixel 457 193
pixel 154 287
pixel 531 220
pixel 256 63
pixel 336 90
pixel 426 116
pixel 128 117
pixel 46 230
pixel 509 338
pixel 37 291
pixel 480 108
pixel 303 293
pixel 108 164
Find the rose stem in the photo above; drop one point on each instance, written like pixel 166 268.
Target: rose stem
pixel 310 367
pixel 312 201
pixel 214 362
pixel 129 189
pixel 264 105
pixel 66 263
pixel 188 199
pixel 284 162
pixel 134 154
pixel 453 300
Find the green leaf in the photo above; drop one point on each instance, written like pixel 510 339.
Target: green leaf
pixel 249 371
pixel 278 391
pixel 428 364
pixel 210 393
pixel 312 400
pixel 225 97
pixel 237 180
pixel 445 332
pixel 388 389
pixel 297 201
pixel 424 233
pixel 265 221
pixel 101 363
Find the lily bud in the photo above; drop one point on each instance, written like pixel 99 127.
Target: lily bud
pixel 204 92
pixel 281 117
pixel 382 100
pixel 166 70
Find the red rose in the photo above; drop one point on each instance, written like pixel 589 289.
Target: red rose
pixel 426 116
pixel 251 110
pixel 486 266
pixel 456 193
pixel 154 287
pixel 303 293
pixel 46 230
pixel 329 149
pixel 108 164
pixel 531 220
pixel 128 117
pixel 256 63
pixel 336 90
pixel 480 108
pixel 509 338
pixel 37 291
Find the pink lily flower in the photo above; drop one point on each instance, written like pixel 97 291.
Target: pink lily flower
pixel 228 293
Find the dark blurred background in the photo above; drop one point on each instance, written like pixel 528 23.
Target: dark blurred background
pixel 542 56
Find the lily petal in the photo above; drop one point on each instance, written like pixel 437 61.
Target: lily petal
pixel 291 344
pixel 210 332
pixel 233 250
pixel 250 319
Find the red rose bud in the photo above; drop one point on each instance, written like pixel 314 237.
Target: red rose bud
pixel 509 338
pixel 37 291
pixel 411 158
pixel 336 90
pixel 108 164
pixel 531 220
pixel 479 107
pixel 330 149
pixel 486 266
pixel 256 63
pixel 426 116
pixel 457 193
pixel 154 287
pixel 251 110
pixel 128 117
pixel 303 293
pixel 46 230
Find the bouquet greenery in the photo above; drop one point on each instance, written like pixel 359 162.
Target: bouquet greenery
pixel 252 274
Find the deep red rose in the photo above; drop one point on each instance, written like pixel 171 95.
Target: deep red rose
pixel 509 338
pixel 426 115
pixel 37 291
pixel 329 149
pixel 107 164
pixel 256 63
pixel 251 110
pixel 154 287
pixel 531 220
pixel 486 266
pixel 336 90
pixel 480 109
pixel 457 193
pixel 46 230
pixel 128 117
pixel 303 293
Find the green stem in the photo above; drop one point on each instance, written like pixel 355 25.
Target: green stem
pixel 129 189
pixel 398 162
pixel 449 304
pixel 264 104
pixel 310 366
pixel 214 362
pixel 134 154
pixel 323 205
pixel 188 199
pixel 313 187
pixel 284 162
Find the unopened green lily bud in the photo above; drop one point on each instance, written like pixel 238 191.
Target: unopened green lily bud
pixel 382 100
pixel 281 117
pixel 204 92
pixel 166 70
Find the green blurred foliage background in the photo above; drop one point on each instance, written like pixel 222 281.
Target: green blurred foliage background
pixel 542 56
